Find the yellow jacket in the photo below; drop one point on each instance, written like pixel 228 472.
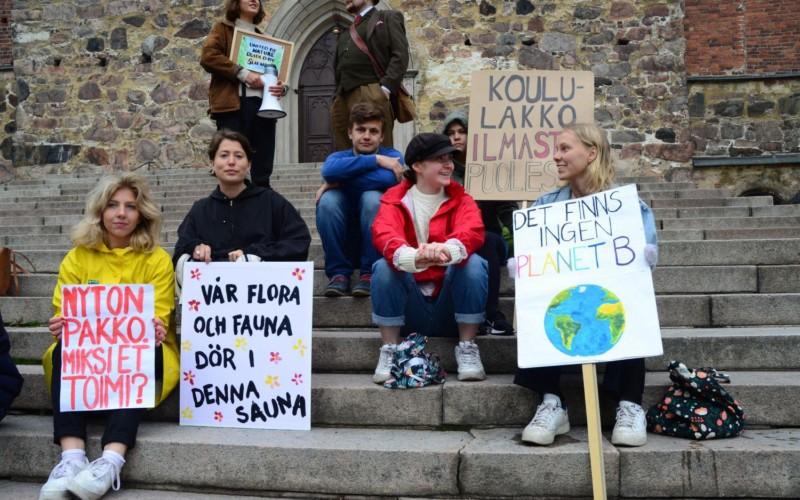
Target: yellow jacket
pixel 101 265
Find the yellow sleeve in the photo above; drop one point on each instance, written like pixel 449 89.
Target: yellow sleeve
pixel 70 272
pixel 162 278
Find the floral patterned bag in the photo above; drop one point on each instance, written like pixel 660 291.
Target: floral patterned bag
pixel 695 406
pixel 413 367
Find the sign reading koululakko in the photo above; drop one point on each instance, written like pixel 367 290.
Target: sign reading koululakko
pixel 246 345
pixel 584 290
pixel 514 120
pixel 107 347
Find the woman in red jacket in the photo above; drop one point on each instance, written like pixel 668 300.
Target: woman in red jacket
pixel 429 280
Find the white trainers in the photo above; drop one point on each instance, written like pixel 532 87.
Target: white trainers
pixel 56 486
pixel 384 369
pixel 551 420
pixel 631 426
pixel 94 480
pixel 468 358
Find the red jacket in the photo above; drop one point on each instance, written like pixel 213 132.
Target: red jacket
pixel 457 218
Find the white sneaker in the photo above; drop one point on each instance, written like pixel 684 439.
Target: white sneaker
pixel 56 486
pixel 631 426
pixel 468 358
pixel 550 421
pixel 94 481
pixel 383 371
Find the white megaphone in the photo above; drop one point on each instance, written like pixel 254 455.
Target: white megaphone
pixel 270 106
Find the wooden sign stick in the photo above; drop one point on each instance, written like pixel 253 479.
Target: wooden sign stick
pixel 593 428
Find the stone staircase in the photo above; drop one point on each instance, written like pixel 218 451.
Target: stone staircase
pixel 728 294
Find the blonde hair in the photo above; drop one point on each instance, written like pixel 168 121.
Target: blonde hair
pixel 89 232
pixel 600 172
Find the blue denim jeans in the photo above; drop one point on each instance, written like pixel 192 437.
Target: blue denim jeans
pixel 344 222
pixel 397 301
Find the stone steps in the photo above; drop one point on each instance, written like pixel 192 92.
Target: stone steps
pixel 671 253
pixel 402 462
pixel 354 400
pixel 725 217
pixel 19 489
pixel 697 310
pixel 666 280
pixel 354 350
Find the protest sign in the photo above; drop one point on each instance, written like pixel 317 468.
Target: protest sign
pixel 246 345
pixel 514 120
pixel 256 52
pixel 584 291
pixel 107 347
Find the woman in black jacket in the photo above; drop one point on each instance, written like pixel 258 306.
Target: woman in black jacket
pixel 239 221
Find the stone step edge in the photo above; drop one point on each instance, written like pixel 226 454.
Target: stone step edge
pixel 429 463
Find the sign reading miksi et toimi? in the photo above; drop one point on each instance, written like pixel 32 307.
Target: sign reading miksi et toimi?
pixel 514 120
pixel 107 347
pixel 584 290
pixel 246 344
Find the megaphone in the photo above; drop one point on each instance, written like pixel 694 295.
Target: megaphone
pixel 270 106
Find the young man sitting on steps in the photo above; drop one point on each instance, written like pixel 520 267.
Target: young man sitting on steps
pixel 348 200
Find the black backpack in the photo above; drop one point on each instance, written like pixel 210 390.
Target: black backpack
pixel 695 406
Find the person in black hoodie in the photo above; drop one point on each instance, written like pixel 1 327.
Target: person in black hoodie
pixel 10 379
pixel 496 214
pixel 239 221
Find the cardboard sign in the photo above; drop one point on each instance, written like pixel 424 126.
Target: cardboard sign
pixel 256 52
pixel 584 291
pixel 514 120
pixel 107 347
pixel 246 345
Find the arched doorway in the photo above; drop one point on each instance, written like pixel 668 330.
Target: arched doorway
pixel 315 94
pixel 306 23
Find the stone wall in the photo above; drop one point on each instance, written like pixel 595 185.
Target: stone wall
pixel 112 84
pixel 116 84
pixel 747 118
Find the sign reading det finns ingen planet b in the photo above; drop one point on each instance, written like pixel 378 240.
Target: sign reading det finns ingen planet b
pixel 584 291
pixel 514 120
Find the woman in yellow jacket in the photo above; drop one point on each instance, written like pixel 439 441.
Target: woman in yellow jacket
pixel 115 243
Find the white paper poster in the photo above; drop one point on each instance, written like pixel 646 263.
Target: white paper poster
pixel 246 345
pixel 584 291
pixel 107 347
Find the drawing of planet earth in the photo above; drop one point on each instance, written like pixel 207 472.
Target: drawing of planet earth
pixel 584 320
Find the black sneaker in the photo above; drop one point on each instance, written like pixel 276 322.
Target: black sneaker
pixel 339 286
pixel 498 325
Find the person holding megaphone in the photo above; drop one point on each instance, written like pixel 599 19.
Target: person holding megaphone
pixel 235 94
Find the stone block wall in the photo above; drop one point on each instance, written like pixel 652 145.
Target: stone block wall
pixel 635 49
pixel 109 84
pixel 748 118
pixel 116 84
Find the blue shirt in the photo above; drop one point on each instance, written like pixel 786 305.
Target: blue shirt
pixel 358 172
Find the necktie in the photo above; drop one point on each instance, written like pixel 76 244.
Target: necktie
pixel 357 20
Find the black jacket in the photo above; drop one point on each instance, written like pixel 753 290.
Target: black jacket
pixel 10 379
pixel 259 221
